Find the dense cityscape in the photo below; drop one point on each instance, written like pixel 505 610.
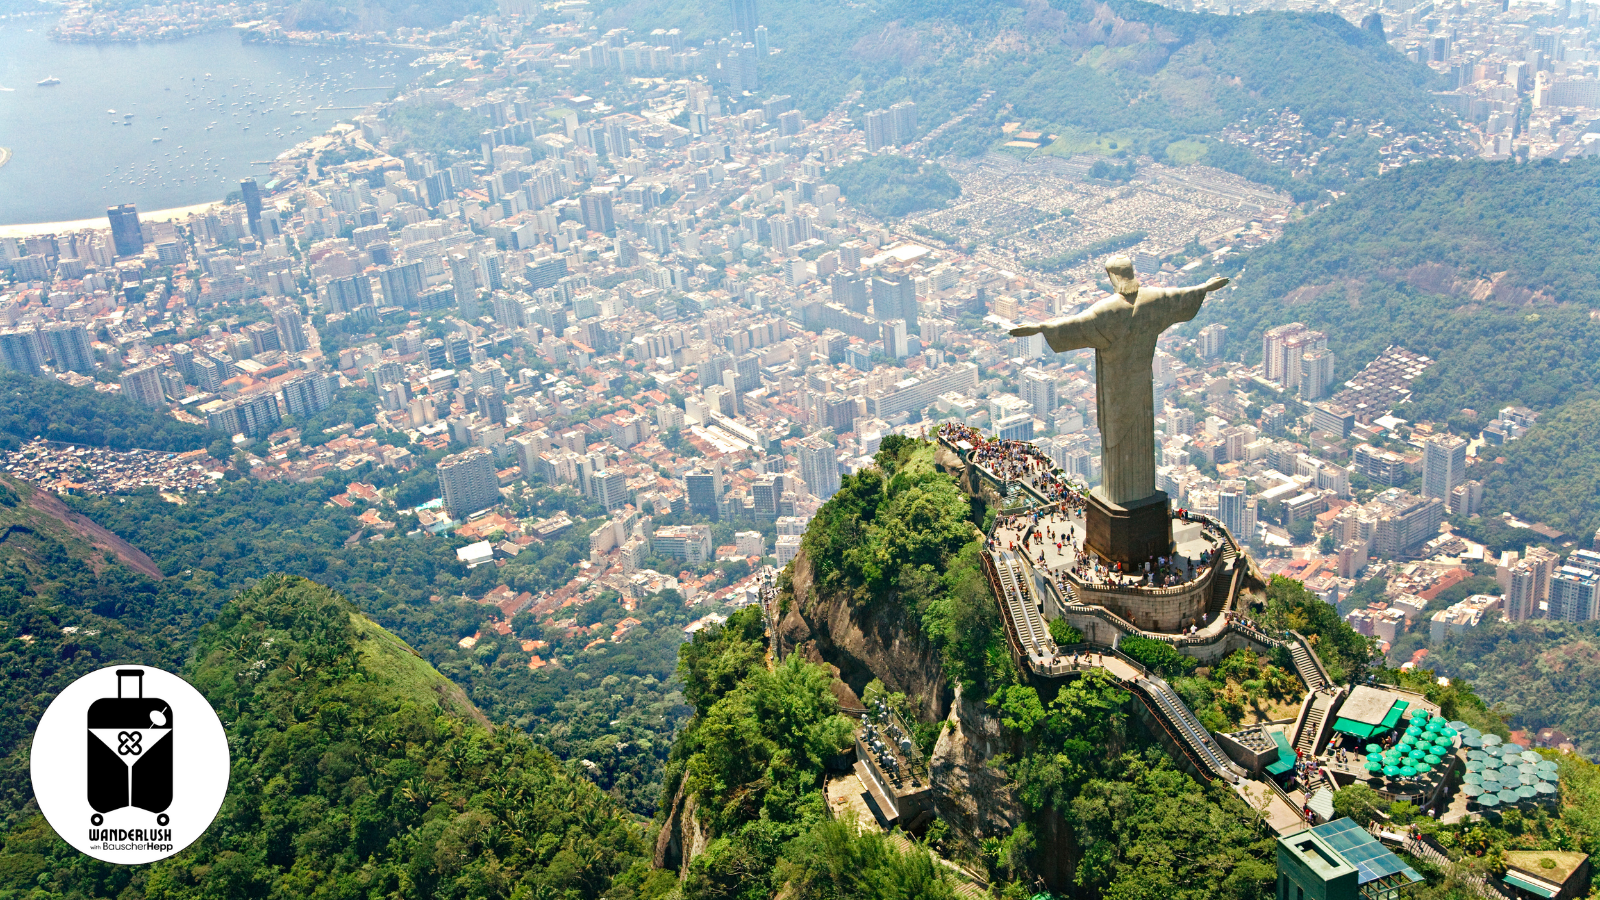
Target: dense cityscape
pixel 580 283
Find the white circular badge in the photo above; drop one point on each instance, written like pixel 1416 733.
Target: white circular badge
pixel 105 757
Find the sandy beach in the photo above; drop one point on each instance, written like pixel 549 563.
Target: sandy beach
pixel 160 215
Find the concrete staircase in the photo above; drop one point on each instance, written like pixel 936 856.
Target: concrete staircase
pixel 1307 665
pixel 1221 581
pixel 1314 721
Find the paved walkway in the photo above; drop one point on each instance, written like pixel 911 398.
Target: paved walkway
pixel 1281 817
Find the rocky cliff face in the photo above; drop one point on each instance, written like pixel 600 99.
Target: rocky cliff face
pixel 682 836
pixel 974 798
pixel 861 644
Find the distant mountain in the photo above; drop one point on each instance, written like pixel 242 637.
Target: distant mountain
pixel 1142 75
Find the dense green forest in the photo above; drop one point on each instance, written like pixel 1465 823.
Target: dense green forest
pixel 1553 474
pixel 903 532
pixel 753 759
pixel 614 696
pixel 1148 74
pixel 888 187
pixel 43 407
pixel 1540 673
pixel 348 780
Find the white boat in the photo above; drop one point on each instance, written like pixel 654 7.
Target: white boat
pixel 46 82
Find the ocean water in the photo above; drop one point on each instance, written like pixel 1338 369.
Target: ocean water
pixel 204 112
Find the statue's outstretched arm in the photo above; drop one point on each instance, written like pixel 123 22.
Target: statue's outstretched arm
pixel 1183 304
pixel 1069 333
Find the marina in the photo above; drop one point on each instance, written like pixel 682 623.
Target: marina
pixel 229 103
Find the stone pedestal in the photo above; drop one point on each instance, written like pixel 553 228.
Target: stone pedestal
pixel 1131 534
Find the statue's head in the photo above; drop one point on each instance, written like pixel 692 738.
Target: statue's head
pixel 1120 268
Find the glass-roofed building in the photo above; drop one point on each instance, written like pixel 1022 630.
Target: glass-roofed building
pixel 1340 861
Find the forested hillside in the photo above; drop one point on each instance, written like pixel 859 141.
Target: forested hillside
pixel 1540 673
pixel 348 780
pixel 1493 270
pixel 44 407
pixel 1143 73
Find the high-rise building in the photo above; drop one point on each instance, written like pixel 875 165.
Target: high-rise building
pixel 69 346
pixel 819 467
pixel 209 374
pixel 903 119
pixel 1574 595
pixel 1038 390
pixel 263 338
pixel 1237 510
pixel 879 126
pixel 1444 465
pixel 21 349
pixel 291 327
pixel 609 488
pixel 596 209
pixel 746 17
pixel 704 490
pixel 1316 374
pixel 306 395
pixel 183 357
pixel 346 295
pixel 690 543
pixel 469 482
pixel 251 192
pixel 895 297
pixel 143 386
pixel 126 238
pixel 402 284
pixel 1272 355
pixel 465 283
pixel 1212 340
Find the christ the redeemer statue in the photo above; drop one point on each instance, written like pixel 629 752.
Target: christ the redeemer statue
pixel 1123 329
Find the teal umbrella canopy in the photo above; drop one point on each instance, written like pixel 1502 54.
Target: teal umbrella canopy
pixel 1473 778
pixel 1391 770
pixel 1471 790
pixel 1408 771
pixel 1432 760
pixel 1488 799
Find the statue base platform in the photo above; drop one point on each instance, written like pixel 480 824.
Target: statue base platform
pixel 1132 533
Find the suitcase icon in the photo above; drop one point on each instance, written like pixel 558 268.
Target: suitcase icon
pixel 130 750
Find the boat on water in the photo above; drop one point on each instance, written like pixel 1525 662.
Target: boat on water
pixel 46 82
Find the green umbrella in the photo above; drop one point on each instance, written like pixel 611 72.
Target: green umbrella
pixel 1374 748
pixel 1432 760
pixel 1473 778
pixel 1546 766
pixel 1545 787
pixel 1374 766
pixel 1526 792
pixel 1417 753
pixel 1508 796
pixel 1435 725
pixel 1471 741
pixel 1491 740
pixel 1471 790
pixel 1391 770
pixel 1528 756
pixel 1374 757
pixel 1488 799
pixel 1449 732
pixel 1422 768
pixel 1408 772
